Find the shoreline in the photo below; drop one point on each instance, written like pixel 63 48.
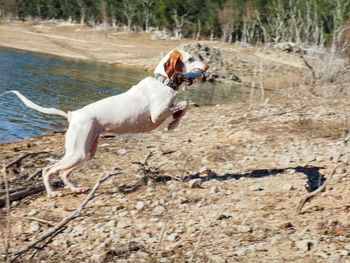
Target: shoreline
pixel 130 50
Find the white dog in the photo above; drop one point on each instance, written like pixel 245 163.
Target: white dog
pixel 140 109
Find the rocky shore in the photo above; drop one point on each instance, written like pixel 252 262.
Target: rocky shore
pixel 223 187
pixel 227 191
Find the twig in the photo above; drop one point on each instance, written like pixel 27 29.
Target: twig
pixel 308 65
pixel 201 235
pixel 164 227
pixel 20 193
pixel 35 174
pixel 8 217
pixel 75 214
pixel 19 159
pixel 40 220
pixel 261 75
pixel 311 195
pixel 251 96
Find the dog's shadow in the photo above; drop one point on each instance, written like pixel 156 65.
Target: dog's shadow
pixel 314 178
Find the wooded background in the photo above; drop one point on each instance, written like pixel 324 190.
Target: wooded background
pixel 314 22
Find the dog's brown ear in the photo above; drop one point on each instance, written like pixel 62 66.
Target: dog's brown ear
pixel 174 63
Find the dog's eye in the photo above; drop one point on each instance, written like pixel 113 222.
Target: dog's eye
pixel 191 60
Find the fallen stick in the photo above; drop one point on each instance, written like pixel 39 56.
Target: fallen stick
pixel 35 174
pixel 19 159
pixel 311 195
pixel 201 236
pixel 23 192
pixel 75 214
pixel 7 240
pixel 40 220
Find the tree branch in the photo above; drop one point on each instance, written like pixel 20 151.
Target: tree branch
pixel 75 214
pixel 313 194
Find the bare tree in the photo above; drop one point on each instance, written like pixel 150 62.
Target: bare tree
pixel 199 29
pixel 147 12
pixel 343 40
pixel 104 14
pixel 82 12
pixel 249 23
pixel 129 11
pixel 179 23
pixel 227 17
pixel 277 22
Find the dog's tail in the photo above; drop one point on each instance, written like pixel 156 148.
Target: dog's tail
pixel 30 104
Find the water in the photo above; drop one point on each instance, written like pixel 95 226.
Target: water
pixel 69 84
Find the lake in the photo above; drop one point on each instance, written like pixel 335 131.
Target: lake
pixel 67 84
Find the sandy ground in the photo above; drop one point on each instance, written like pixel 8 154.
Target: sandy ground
pixel 229 182
pixel 73 41
pixel 143 51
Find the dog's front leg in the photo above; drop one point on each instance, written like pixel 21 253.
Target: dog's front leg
pixel 179 111
pixel 161 112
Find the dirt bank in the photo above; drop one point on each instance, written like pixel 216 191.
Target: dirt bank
pixel 73 41
pixel 230 63
pixel 251 168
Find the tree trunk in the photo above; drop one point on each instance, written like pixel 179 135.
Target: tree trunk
pixel 38 9
pixel 179 22
pixel 129 21
pixel 82 19
pixel 114 23
pixel 199 30
pixel 147 21
pixel 244 32
pixel 104 14
pixel 212 35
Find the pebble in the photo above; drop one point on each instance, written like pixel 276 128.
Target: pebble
pixel 79 230
pixel 123 213
pixel 122 151
pixel 214 189
pixel 111 223
pixel 255 187
pixel 34 226
pixel 321 254
pixel 140 205
pixel 33 212
pixel 123 224
pixel 195 183
pixel 241 252
pixel 305 245
pixel 172 237
pixel 217 259
pixel 244 228
pixel 158 210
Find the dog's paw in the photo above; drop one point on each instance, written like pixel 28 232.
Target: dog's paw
pixel 182 105
pixel 54 194
pixel 80 190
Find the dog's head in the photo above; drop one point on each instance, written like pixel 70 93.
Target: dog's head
pixel 178 62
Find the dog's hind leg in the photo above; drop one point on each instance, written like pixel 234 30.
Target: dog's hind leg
pixel 79 142
pixel 72 186
pixel 65 174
